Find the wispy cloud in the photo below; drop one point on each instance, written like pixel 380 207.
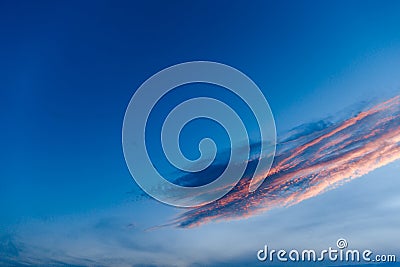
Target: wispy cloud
pixel 311 162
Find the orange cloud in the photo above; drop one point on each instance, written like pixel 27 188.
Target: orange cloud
pixel 342 152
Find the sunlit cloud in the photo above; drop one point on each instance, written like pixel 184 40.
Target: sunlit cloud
pixel 312 163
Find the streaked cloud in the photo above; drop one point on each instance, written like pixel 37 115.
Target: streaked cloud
pixel 312 162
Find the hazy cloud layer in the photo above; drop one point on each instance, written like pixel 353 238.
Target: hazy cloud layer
pixel 312 159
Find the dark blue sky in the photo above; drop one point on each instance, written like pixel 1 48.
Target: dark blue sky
pixel 68 71
pixel 69 68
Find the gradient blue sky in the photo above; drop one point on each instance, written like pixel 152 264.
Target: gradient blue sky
pixel 69 69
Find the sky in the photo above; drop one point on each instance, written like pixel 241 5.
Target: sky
pixel 69 69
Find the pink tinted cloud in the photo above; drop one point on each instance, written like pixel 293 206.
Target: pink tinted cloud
pixel 339 153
